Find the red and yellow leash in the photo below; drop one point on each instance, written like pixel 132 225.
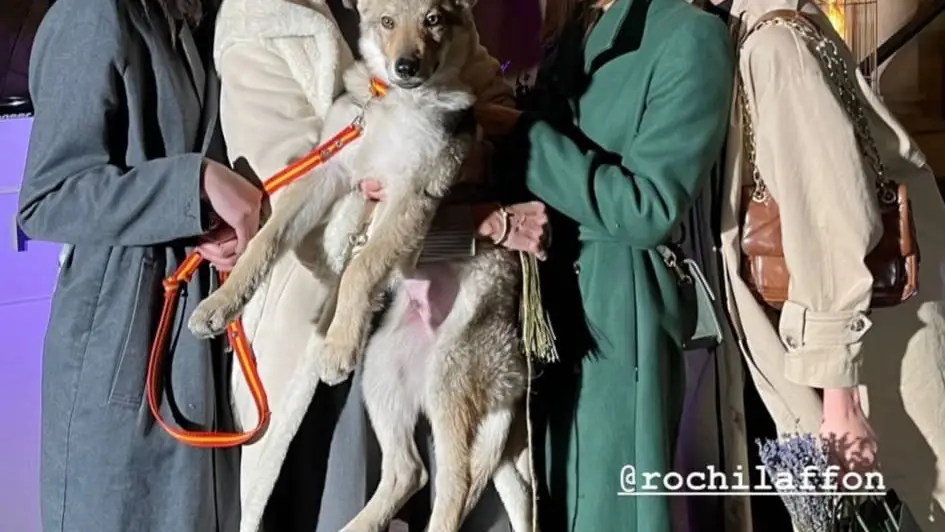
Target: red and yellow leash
pixel 235 333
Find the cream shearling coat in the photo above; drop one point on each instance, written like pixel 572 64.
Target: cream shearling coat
pixel 826 337
pixel 280 63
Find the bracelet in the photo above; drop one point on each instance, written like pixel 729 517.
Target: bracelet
pixel 506 227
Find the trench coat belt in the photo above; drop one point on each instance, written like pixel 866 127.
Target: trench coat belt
pixel 589 235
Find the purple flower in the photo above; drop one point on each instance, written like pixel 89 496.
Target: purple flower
pixel 798 464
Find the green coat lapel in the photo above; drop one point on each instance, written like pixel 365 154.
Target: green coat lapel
pixel 604 34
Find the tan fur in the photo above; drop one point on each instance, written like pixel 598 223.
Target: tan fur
pixel 469 378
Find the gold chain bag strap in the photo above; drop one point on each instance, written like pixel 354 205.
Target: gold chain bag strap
pixel 895 260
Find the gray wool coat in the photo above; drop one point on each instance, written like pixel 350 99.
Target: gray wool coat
pixel 123 122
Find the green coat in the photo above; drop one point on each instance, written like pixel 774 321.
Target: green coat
pixel 653 104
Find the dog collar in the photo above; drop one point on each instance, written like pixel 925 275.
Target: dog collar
pixel 378 88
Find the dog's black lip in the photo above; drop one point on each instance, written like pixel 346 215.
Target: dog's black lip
pixel 409 84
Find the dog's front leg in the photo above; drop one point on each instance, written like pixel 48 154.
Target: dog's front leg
pixel 305 204
pixel 402 222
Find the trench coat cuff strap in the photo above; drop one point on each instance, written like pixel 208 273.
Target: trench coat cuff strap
pixel 823 348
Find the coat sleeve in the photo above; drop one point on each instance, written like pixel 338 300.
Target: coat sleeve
pixel 639 194
pixel 809 159
pixel 78 188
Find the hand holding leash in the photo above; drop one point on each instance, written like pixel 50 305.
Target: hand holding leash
pixel 219 248
pixel 234 199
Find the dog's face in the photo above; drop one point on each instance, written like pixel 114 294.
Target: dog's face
pixel 409 42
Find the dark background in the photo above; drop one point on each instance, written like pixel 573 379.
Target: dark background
pixel 18 22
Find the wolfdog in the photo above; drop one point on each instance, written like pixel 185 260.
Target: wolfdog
pixel 468 375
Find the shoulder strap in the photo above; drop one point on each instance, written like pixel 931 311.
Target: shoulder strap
pixel 834 65
pixel 774 15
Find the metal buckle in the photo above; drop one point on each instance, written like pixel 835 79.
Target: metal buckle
pixel 358 121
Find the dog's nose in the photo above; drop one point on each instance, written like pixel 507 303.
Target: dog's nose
pixel 407 67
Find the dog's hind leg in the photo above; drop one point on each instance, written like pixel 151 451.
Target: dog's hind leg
pixel 452 426
pixel 514 488
pixel 486 453
pixel 305 204
pixel 393 407
pixel 402 471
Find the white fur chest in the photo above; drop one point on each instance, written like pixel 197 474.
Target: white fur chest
pixel 399 137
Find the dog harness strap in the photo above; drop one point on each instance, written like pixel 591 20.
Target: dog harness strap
pixel 235 333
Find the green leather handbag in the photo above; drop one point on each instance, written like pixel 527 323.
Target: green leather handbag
pixel 705 330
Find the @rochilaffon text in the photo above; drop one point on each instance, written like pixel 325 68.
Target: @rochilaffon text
pixel 830 480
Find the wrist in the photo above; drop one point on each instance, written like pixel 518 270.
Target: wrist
pixel 841 402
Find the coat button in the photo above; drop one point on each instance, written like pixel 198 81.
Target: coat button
pixel 791 342
pixel 577 268
pixel 858 325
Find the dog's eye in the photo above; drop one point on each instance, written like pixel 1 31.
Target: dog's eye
pixel 387 22
pixel 433 19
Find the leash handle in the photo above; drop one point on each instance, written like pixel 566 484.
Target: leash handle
pixel 236 337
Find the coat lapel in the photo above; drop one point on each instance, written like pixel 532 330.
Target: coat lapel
pixel 171 76
pixel 195 64
pixel 614 34
pixel 211 109
pixel 206 78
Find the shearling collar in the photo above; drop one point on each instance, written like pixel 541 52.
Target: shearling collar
pixel 242 20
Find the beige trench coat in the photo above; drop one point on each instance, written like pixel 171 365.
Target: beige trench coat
pixel 808 157
pixel 280 63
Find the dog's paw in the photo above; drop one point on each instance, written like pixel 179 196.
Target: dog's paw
pixel 210 317
pixel 336 362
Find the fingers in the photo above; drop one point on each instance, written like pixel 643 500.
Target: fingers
pixel 527 241
pixel 242 238
pixel 529 228
pixel 371 189
pixel 531 208
pixel 220 248
pixel 222 256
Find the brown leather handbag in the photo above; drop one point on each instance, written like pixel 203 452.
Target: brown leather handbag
pixel 894 262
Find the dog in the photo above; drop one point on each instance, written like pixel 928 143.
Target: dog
pixel 467 374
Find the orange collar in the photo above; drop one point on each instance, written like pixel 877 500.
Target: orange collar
pixel 378 87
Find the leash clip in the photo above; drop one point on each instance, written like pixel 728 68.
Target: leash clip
pixel 358 122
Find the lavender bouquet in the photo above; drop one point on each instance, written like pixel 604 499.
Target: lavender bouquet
pixel 819 498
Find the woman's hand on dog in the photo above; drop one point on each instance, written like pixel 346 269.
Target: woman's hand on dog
pixel 372 190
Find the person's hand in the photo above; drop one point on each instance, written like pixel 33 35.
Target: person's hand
pixel 371 189
pixel 219 248
pixel 845 427
pixel 526 230
pixel 236 201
